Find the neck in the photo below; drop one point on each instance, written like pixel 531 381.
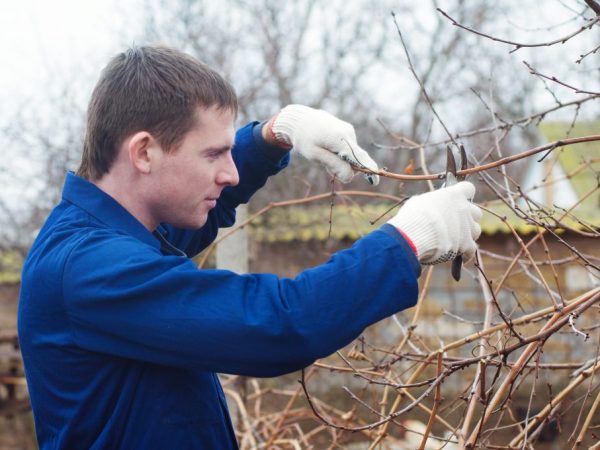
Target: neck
pixel 126 192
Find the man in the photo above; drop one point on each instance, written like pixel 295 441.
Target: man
pixel 122 335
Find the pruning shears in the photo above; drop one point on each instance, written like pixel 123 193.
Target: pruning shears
pixel 453 178
pixel 357 165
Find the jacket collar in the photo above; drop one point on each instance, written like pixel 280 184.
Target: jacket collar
pixel 103 207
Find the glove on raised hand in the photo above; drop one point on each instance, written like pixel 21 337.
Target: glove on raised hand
pixel 320 136
pixel 441 224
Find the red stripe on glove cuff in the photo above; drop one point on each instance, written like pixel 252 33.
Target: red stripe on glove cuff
pixel 409 241
pixel 274 137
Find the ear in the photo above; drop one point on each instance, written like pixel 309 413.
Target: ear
pixel 142 148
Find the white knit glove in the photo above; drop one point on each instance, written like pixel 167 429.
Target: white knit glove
pixel 441 224
pixel 320 136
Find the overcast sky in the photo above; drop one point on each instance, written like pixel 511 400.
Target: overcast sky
pixel 42 39
pixel 46 40
pixel 39 38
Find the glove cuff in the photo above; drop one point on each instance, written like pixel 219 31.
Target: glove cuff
pixel 418 230
pixel 284 123
pixel 274 138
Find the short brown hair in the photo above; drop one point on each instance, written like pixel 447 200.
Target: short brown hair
pixel 149 88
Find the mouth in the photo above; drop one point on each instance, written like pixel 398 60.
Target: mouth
pixel 212 202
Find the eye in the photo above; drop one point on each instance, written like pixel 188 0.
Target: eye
pixel 214 155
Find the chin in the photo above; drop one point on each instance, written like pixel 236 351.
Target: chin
pixel 198 223
pixel 192 225
pixel 189 223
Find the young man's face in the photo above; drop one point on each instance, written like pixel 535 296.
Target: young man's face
pixel 188 181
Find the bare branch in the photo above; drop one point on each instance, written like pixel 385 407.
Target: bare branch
pixel 519 45
pixel 556 80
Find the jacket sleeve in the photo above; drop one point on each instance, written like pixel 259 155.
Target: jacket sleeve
pixel 128 300
pixel 256 161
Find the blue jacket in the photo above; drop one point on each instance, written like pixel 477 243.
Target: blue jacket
pixel 121 334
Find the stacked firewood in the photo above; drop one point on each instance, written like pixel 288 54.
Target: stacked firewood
pixel 13 388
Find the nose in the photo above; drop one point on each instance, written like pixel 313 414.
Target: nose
pixel 228 174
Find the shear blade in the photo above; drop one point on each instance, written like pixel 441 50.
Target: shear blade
pixel 450 167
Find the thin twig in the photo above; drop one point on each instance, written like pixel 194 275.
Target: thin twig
pixel 519 45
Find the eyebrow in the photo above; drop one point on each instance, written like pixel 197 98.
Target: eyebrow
pixel 223 148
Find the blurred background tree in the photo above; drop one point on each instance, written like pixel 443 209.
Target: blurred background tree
pixel 344 57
